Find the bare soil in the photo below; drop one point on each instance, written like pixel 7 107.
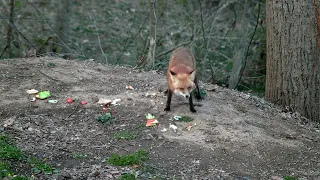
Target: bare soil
pixel 236 136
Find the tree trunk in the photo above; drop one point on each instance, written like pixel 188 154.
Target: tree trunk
pixel 64 8
pixel 148 62
pixel 239 58
pixel 8 48
pixel 293 55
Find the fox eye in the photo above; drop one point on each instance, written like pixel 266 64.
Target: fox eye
pixel 181 89
pixel 189 87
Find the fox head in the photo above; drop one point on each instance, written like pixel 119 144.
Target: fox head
pixel 183 83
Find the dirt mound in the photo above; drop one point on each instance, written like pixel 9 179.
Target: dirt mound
pixel 235 135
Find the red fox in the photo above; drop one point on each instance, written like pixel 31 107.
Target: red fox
pixel 181 76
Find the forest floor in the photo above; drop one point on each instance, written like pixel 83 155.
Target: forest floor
pixel 233 136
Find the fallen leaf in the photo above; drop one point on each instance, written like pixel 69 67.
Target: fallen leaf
pixel 9 121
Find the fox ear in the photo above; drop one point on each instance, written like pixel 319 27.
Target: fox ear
pixel 193 75
pixel 172 76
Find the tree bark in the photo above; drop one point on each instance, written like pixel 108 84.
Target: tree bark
pixel 293 55
pixel 64 8
pixel 148 62
pixel 239 58
pixel 9 32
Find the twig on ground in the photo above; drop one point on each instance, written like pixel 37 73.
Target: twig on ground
pixel 47 75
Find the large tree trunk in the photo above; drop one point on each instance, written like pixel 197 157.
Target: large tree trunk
pixel 293 55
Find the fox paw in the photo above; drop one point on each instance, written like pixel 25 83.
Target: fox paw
pixel 166 109
pixel 193 110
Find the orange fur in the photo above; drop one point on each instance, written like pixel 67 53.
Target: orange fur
pixel 181 75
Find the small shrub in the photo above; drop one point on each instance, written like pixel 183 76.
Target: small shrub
pixel 105 118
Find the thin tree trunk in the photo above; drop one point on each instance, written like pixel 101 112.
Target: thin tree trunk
pixel 148 62
pixel 293 55
pixel 64 8
pixel 239 58
pixel 9 33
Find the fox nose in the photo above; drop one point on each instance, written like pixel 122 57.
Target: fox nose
pixel 187 96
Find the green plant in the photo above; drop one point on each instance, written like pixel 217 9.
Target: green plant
pixel 79 156
pixel 203 93
pixel 41 167
pixel 126 135
pixel 290 178
pixel 4 169
pixel 128 176
pixel 130 159
pixel 105 118
pixel 51 65
pixel 19 178
pixel 8 150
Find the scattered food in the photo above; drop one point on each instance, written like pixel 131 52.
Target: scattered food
pixel 105 109
pixel 104 102
pixel 152 122
pixel 190 125
pixel 181 118
pixel 174 127
pixel 32 91
pixel 114 102
pixel 164 130
pixel 129 87
pixel 43 94
pixel 33 99
pixel 83 102
pixel 69 100
pixel 53 101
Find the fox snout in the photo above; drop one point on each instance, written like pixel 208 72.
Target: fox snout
pixel 181 93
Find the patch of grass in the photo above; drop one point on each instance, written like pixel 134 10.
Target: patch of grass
pixel 41 167
pixel 105 118
pixel 8 149
pixel 124 160
pixel 126 135
pixel 140 126
pixel 128 176
pixel 79 156
pixel 19 178
pixel 51 65
pixel 4 169
pixel 290 178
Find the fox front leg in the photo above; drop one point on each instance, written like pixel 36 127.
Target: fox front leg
pixel 191 104
pixel 168 101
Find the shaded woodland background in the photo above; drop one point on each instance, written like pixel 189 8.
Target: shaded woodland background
pixel 227 37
